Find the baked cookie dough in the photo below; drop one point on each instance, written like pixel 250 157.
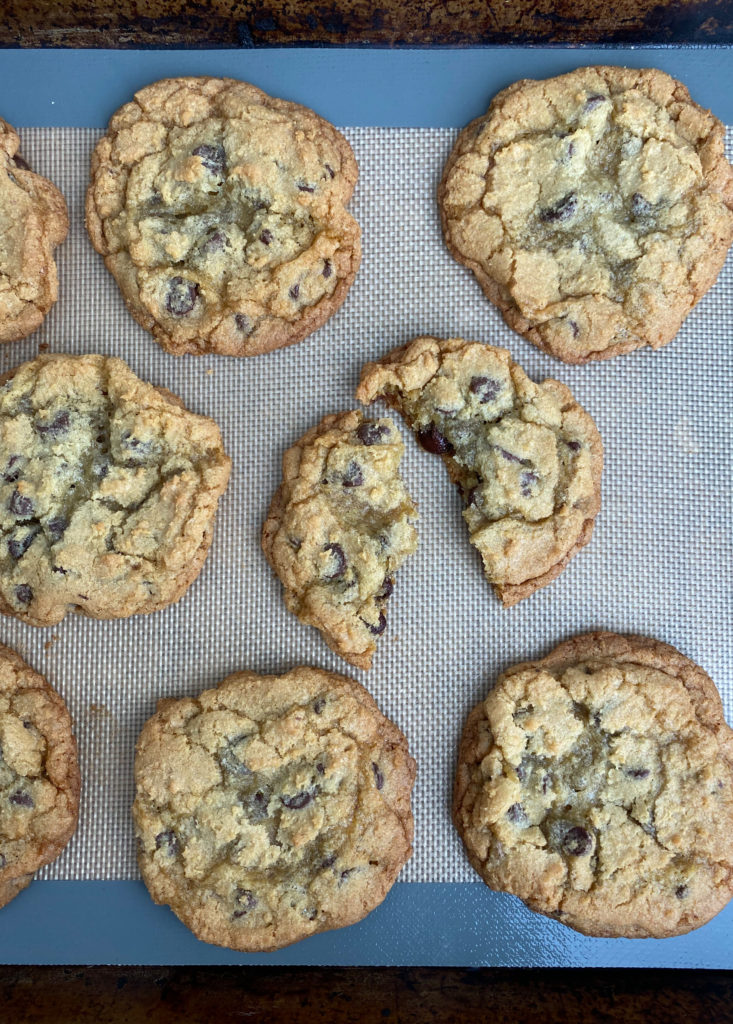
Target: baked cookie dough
pixel 108 491
pixel 339 527
pixel 597 785
pixel 595 209
pixel 526 457
pixel 39 774
pixel 220 211
pixel 33 221
pixel 272 807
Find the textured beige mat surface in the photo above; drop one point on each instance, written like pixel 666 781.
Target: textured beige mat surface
pixel 660 563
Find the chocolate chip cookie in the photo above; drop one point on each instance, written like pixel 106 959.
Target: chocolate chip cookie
pixel 39 774
pixel 108 491
pixel 221 213
pixel 339 527
pixel 597 785
pixel 33 221
pixel 595 208
pixel 526 457
pixel 272 807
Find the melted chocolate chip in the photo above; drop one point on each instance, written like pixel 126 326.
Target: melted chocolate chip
pixel 12 470
pixel 577 841
pixel 380 626
pixel 594 101
pixel 243 323
pixel 23 594
pixel 57 527
pixel 431 439
pixel 3 860
pixel 517 814
pixel 57 427
pixel 294 291
pixel 327 268
pixel 485 388
pixel 168 841
pixel 181 296
pixel 561 211
pixel 306 188
pixel 637 773
pixel 526 482
pixel 212 157
pixel 320 769
pixel 245 900
pixel 214 243
pixel 574 328
pixel 370 432
pixel 378 777
pixel 17 548
pixel 21 163
pixel 319 704
pixel 510 456
pixel 338 560
pixel 574 446
pixel 328 862
pixel 353 476
pixel 21 799
pixel 385 590
pixel 266 237
pixel 681 891
pixel 330 170
pixel 640 207
pixel 297 802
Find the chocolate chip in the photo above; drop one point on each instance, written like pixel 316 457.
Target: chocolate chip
pixel 214 243
pixel 431 439
pixel 574 328
pixel 266 237
pixel 345 874
pixel 294 291
pixel 229 761
pixel 637 773
pixel 517 814
pixel 321 769
pixel 58 426
pixel 380 626
pixel 486 388
pixel 577 841
pixel 297 802
pixel 57 527
pixel 370 432
pixel 213 158
pixel 681 891
pixel 20 162
pixel 330 170
pixel 386 589
pixel 594 101
pixel 23 594
pixel 245 900
pixel 378 777
pixel 243 323
pixel 3 860
pixel 181 297
pixel 561 211
pixel 569 151
pixel 327 268
pixel 328 862
pixel 306 188
pixel 58 568
pixel 258 805
pixel 574 446
pixel 134 447
pixel 640 207
pixel 526 482
pixel 546 780
pixel 319 704
pixel 168 841
pixel 21 799
pixel 353 476
pixel 12 470
pixel 18 548
pixel 338 561
pixel 510 456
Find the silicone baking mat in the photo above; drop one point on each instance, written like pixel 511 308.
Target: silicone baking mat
pixel 660 562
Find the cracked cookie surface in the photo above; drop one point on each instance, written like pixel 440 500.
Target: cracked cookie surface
pixel 526 457
pixel 595 208
pixel 33 221
pixel 272 807
pixel 39 774
pixel 597 785
pixel 108 491
pixel 339 527
pixel 221 213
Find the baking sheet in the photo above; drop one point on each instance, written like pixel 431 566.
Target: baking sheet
pixel 660 562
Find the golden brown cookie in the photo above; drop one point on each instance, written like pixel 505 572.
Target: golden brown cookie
pixel 595 208
pixel 272 807
pixel 39 774
pixel 108 491
pixel 221 212
pixel 597 785
pixel 526 457
pixel 33 221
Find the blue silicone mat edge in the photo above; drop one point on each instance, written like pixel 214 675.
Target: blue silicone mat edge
pixel 419 924
pixel 427 924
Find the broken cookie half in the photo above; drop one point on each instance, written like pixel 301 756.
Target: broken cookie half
pixel 339 527
pixel 526 457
